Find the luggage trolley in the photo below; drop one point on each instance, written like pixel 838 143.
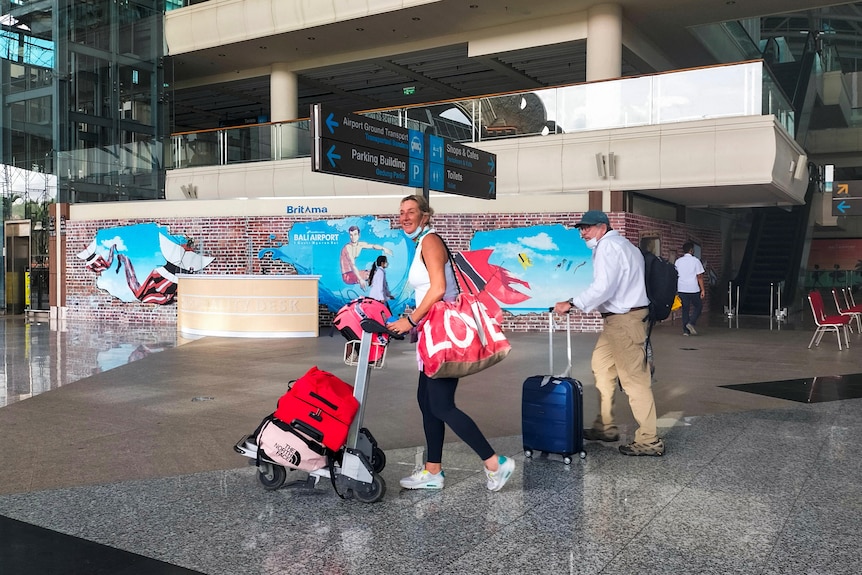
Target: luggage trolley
pixel 356 473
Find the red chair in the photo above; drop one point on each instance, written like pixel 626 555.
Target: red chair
pixel 852 311
pixel 848 297
pixel 826 322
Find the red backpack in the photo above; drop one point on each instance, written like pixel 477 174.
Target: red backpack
pixel 347 322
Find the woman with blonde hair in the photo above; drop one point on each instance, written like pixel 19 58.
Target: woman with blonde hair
pixel 432 277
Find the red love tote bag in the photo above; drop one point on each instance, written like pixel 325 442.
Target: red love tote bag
pixel 460 338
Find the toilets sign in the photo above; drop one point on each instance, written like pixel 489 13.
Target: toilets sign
pixel 347 144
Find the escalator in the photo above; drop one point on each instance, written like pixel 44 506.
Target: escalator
pixel 796 79
pixel 773 256
pixel 777 238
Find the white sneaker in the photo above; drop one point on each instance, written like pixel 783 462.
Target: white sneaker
pixel 691 329
pixel 497 479
pixel 422 479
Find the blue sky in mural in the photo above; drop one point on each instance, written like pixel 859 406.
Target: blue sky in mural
pixel 318 248
pixel 139 262
pixel 554 260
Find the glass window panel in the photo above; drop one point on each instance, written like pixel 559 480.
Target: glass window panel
pixel 87 24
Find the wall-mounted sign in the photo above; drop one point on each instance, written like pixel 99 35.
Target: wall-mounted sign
pixel 847 198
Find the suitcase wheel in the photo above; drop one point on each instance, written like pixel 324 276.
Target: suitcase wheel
pixel 567 459
pixel 528 453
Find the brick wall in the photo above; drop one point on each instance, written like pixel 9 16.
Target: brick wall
pixel 235 241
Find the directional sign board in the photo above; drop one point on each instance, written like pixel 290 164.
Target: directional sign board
pixel 462 170
pixel 348 144
pixel 847 198
pixel 351 145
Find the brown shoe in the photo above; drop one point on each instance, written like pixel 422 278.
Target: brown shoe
pixel 654 449
pixel 610 434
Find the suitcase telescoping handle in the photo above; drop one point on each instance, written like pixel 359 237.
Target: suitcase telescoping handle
pixel 568 371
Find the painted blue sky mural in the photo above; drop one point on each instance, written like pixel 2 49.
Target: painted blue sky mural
pixel 554 260
pixel 528 269
pixel 324 248
pixel 140 262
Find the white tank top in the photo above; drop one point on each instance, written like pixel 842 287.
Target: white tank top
pixel 419 280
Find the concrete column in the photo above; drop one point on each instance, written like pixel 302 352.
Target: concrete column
pixel 604 42
pixel 283 106
pixel 283 93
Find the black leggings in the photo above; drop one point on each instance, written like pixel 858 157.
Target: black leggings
pixel 437 403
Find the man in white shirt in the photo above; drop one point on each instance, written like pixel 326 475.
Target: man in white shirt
pixel 618 292
pixel 690 288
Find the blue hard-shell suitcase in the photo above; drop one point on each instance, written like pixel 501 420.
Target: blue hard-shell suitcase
pixel 552 412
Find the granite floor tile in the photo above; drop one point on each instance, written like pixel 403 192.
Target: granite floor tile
pixel 749 484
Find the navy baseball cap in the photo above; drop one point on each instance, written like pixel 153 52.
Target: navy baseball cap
pixel 592 218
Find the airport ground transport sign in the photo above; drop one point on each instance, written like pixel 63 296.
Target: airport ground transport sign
pixel 847 198
pixel 348 144
pixel 351 145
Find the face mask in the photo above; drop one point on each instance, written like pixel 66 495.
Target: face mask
pixel 415 233
pixel 592 243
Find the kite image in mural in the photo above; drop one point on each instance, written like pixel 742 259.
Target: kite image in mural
pixel 554 253
pixel 160 287
pixel 142 247
pixel 97 260
pixel 496 280
pixel 492 284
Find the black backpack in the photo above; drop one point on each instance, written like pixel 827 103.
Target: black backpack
pixel 660 277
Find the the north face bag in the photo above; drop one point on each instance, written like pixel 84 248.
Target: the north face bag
pixel 283 444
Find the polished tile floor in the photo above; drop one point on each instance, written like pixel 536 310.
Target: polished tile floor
pixel 117 458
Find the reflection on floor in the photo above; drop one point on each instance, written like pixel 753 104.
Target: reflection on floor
pixel 38 356
pixel 808 390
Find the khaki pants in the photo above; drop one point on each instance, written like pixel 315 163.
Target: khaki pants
pixel 619 352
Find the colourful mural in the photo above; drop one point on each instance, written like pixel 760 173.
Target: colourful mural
pixel 341 253
pixel 149 258
pixel 525 269
pixel 552 261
